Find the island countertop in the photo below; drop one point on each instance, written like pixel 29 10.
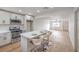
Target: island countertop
pixel 33 34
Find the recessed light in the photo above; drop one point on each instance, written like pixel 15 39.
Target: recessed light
pixel 20 10
pixel 38 11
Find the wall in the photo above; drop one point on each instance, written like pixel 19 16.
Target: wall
pixel 44 23
pixel 41 24
pixel 78 30
pixel 71 29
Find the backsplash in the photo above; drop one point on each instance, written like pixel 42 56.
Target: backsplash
pixel 4 27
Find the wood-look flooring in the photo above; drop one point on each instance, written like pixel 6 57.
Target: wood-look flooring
pixel 60 43
pixel 14 47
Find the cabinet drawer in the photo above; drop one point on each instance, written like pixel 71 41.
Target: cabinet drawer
pixel 7 37
pixel 2 41
pixel 1 37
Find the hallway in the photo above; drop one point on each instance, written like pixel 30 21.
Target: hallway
pixel 61 42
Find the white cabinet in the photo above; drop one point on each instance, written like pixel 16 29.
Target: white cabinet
pixel 13 16
pixel 22 19
pixel 4 18
pixel 17 17
pixel 5 38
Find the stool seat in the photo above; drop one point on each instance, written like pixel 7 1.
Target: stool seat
pixel 36 41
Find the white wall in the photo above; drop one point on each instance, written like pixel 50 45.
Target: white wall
pixel 60 14
pixel 71 29
pixel 78 30
pixel 44 23
pixel 41 24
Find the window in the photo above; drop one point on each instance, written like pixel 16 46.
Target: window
pixel 55 23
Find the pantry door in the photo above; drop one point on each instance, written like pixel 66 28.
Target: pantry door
pixel 29 25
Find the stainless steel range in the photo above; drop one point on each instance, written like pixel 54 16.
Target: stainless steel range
pixel 15 31
pixel 15 28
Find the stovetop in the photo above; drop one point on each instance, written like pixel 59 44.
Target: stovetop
pixel 15 30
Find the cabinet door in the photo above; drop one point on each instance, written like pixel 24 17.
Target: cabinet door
pixel 5 38
pixel 20 17
pixel 4 18
pixel 1 39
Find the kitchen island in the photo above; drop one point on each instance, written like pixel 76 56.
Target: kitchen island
pixel 25 39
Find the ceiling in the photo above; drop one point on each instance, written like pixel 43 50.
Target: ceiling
pixel 33 10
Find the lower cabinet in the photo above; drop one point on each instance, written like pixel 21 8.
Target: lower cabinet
pixel 5 38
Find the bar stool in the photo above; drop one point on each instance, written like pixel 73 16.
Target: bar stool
pixel 41 43
pixel 36 43
pixel 46 40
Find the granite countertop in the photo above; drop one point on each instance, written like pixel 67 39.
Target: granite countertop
pixel 33 34
pixel 4 31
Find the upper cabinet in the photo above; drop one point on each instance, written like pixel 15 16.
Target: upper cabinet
pixel 20 17
pixel 4 18
pixel 16 18
pixel 27 17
